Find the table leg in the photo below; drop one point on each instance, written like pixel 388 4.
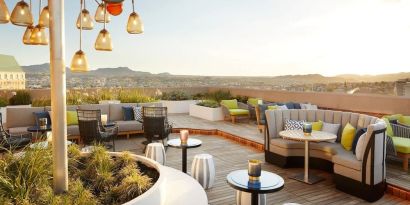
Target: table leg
pixel 255 199
pixel 184 153
pixel 305 176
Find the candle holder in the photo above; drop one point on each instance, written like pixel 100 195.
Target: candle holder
pixel 104 119
pixel 43 123
pixel 307 129
pixel 254 170
pixel 184 134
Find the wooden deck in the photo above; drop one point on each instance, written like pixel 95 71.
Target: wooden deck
pixel 229 156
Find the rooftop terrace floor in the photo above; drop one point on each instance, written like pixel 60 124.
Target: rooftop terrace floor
pixel 230 156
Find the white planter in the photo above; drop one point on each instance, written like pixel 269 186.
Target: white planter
pixel 207 113
pixel 109 102
pixel 181 106
pixel 163 191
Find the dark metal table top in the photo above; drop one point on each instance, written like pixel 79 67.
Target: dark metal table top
pixel 192 143
pixel 39 129
pixel 268 182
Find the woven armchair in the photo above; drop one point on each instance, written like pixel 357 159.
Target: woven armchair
pixel 399 144
pixel 92 130
pixel 232 110
pixel 12 141
pixel 252 105
pixel 155 124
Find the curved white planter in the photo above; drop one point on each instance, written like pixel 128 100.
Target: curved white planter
pixel 172 187
pixel 207 113
pixel 181 106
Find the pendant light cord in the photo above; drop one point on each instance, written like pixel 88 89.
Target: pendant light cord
pixel 39 10
pixel 133 9
pixel 105 13
pixel 81 22
pixel 30 6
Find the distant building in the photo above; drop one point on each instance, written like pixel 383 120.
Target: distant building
pixel 12 76
pixel 402 87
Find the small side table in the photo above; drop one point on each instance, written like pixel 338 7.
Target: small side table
pixel 192 143
pixel 268 183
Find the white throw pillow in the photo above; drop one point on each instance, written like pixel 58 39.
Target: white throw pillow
pixel 137 113
pixel 331 128
pixel 360 147
pixel 313 107
pixel 293 124
pixel 282 107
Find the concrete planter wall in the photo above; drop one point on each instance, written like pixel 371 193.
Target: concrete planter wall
pixel 109 102
pixel 163 191
pixel 3 110
pixel 207 113
pixel 181 106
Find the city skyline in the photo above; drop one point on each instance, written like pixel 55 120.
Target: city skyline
pixel 269 38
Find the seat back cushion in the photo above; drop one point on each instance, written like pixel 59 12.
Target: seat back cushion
pixel 115 113
pixel 21 116
pixel 230 104
pixel 105 108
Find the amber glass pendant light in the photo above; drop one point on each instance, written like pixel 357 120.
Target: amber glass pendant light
pixel 44 20
pixel 21 15
pixel 38 35
pixel 79 63
pixel 103 42
pixel 134 25
pixel 4 13
pixel 100 13
pixel 28 32
pixel 85 17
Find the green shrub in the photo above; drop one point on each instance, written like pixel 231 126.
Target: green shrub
pixel 242 98
pixel 21 98
pixel 175 95
pixel 209 103
pixel 133 96
pixel 3 102
pixel 199 96
pixel 219 95
pixel 41 103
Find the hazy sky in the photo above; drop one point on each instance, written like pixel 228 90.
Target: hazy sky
pixel 241 37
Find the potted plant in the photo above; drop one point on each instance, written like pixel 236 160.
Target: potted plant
pixel 207 109
pixel 177 101
pixel 20 99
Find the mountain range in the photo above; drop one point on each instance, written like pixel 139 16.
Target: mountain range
pixel 306 79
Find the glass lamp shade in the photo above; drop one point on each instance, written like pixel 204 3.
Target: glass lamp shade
pixel 44 20
pixel 87 21
pixel 79 63
pixel 21 15
pixel 103 42
pixel 99 15
pixel 134 25
pixel 38 36
pixel 4 13
pixel 114 9
pixel 27 35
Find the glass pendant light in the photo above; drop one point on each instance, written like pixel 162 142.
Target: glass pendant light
pixel 4 13
pixel 27 35
pixel 103 42
pixel 99 14
pixel 79 63
pixel 28 32
pixel 85 17
pixel 134 25
pixel 44 20
pixel 21 15
pixel 39 36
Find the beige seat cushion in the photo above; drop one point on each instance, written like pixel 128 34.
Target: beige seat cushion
pixel 347 159
pixel 73 130
pixel 18 130
pixel 127 126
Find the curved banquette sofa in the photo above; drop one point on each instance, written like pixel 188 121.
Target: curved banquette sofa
pixel 362 178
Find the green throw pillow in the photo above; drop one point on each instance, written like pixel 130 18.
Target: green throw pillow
pixel 405 120
pixel 393 117
pixel 230 104
pixel 72 118
pixel 273 107
pixel 348 137
pixel 389 129
pixel 254 101
pixel 317 126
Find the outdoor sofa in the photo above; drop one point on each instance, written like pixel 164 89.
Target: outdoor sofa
pixel 21 118
pixel 365 178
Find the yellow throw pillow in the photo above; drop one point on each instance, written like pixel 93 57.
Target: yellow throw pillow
pixel 317 126
pixel 72 118
pixel 273 107
pixel 348 137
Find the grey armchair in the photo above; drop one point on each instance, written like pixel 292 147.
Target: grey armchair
pixel 233 110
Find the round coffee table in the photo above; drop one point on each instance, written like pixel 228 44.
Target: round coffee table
pixel 316 136
pixel 268 183
pixel 192 143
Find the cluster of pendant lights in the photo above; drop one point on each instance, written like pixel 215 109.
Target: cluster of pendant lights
pixel 36 35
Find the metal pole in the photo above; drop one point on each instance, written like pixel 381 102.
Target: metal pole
pixel 58 96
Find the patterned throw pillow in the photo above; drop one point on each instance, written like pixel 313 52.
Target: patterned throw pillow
pixel 137 113
pixel 293 125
